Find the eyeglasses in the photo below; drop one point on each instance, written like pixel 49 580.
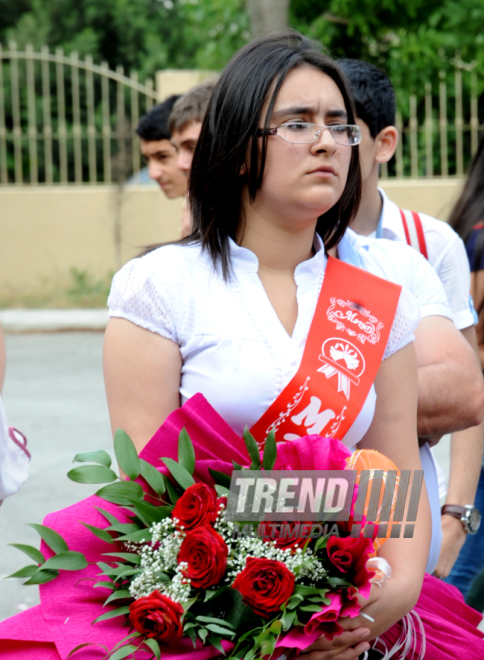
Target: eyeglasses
pixel 301 132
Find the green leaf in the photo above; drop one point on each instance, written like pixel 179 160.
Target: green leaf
pixel 126 454
pixel 54 540
pixel 26 571
pixel 92 474
pixel 212 619
pixel 109 516
pixel 203 633
pixel 42 576
pixel 105 585
pixel 288 619
pixel 252 448
pixel 276 627
pixel 122 492
pixel 270 451
pixel 193 636
pixel 220 478
pixel 213 627
pixel 338 582
pixel 101 457
pixel 221 491
pixel 30 551
pixel 124 528
pixel 117 595
pixel 100 533
pixel 172 490
pixel 151 475
pixel 250 654
pixel 237 466
pixel 127 556
pixel 66 561
pixel 186 453
pixel 179 473
pixel 294 601
pixel 137 537
pixel 310 608
pixel 112 614
pixel 153 645
pixel 123 652
pixel 81 646
pixel 215 641
pixel 150 514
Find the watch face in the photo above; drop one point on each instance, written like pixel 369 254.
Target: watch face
pixel 474 519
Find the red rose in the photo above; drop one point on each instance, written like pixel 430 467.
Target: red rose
pixel 157 616
pixel 196 507
pixel 205 552
pixel 350 555
pixel 286 535
pixel 265 585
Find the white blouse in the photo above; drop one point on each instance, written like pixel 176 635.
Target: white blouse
pixel 235 350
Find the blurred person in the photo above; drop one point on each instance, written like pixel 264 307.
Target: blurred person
pixel 157 150
pixel 467 218
pixel 14 456
pixel 450 386
pixel 185 125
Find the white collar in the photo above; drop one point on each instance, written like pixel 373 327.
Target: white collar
pixel 390 219
pixel 244 259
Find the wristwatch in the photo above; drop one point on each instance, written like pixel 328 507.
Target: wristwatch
pixel 468 515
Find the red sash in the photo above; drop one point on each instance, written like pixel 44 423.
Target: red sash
pixel 344 350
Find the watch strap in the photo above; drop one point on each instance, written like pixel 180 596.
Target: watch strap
pixel 456 510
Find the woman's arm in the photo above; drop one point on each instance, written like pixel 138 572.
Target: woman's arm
pixel 393 432
pixel 2 359
pixel 142 378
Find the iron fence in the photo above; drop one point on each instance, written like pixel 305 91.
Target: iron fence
pixel 65 120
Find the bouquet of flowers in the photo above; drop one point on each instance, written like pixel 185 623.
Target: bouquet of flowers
pixel 173 570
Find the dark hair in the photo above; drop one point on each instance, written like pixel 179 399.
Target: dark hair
pixel 469 208
pixel 228 133
pixel 154 125
pixel 192 106
pixel 373 94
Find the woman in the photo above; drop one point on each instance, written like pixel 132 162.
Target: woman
pixel 467 218
pixel 227 312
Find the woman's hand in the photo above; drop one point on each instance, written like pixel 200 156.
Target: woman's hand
pixel 386 605
pixel 347 646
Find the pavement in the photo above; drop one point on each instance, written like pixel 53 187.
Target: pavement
pixel 53 320
pixel 54 393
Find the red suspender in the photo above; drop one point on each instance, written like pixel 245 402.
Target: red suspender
pixel 414 234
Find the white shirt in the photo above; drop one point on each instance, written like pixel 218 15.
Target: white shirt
pixel 234 349
pixel 399 263
pixel 446 255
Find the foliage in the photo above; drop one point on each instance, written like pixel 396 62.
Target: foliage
pixel 141 35
pixel 412 41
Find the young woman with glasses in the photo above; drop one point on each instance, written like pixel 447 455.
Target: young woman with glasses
pixel 227 311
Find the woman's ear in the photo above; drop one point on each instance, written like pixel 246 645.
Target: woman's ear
pixel 243 170
pixel 386 143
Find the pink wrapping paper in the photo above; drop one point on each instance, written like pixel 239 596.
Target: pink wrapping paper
pixel 70 603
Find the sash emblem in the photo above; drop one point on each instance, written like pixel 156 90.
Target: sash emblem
pixel 344 359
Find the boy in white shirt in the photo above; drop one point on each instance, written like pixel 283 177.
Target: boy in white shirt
pixel 449 396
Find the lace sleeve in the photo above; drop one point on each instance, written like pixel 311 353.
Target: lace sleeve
pixel 406 320
pixel 141 294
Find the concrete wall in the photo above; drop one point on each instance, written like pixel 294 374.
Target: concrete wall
pixel 45 231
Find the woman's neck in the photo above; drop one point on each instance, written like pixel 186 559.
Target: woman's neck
pixel 277 247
